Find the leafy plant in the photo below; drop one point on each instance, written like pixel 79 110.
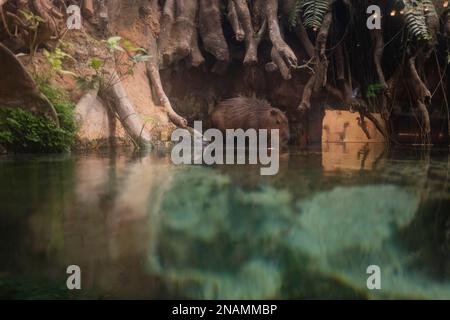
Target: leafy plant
pixel 55 59
pixel 122 55
pixel 33 22
pixel 293 16
pixel 63 106
pixel 372 90
pixel 314 12
pixel 23 132
pixel 416 12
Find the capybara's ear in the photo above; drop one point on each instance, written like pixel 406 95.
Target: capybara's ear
pixel 273 112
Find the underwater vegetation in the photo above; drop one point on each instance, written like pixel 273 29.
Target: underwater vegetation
pixel 233 243
pixel 131 224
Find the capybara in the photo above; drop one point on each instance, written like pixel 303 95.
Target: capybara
pixel 250 113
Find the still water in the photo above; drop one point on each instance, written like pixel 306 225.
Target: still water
pixel 139 227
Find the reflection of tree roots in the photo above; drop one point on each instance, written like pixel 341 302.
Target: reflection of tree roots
pixel 363 152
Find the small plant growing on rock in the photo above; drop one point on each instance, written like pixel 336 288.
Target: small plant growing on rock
pixel 23 132
pixel 55 59
pixel 121 55
pixel 33 23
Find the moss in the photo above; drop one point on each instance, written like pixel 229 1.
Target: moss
pixel 64 107
pixel 23 132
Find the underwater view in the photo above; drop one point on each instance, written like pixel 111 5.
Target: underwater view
pixel 140 227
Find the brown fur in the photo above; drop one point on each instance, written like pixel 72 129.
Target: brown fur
pixel 250 113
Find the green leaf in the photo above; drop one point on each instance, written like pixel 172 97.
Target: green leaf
pixel 130 47
pixel 314 12
pixel 113 43
pixel 140 58
pixel 96 64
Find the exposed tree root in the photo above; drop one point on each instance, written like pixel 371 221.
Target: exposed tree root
pixel 196 58
pixel 319 79
pixel 377 39
pixel 23 31
pixel 210 28
pixel 154 75
pixel 167 20
pixel 284 51
pixel 183 32
pixel 234 21
pixel 422 97
pixel 279 64
pixel 252 37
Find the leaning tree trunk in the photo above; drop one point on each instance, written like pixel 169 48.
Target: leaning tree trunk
pixel 116 97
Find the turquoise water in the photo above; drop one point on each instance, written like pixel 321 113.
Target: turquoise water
pixel 140 227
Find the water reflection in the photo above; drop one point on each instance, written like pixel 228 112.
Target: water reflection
pixel 141 228
pixel 352 156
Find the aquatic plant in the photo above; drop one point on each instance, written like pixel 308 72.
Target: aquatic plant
pixel 235 243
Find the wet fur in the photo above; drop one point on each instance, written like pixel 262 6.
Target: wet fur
pixel 250 113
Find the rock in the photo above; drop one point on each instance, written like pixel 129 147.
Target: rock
pixel 96 123
pixel 18 89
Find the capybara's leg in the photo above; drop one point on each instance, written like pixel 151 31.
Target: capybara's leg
pixel 211 32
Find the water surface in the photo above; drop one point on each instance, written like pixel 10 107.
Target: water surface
pixel 140 227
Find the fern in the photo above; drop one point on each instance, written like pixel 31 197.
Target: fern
pixel 314 12
pixel 293 16
pixel 415 17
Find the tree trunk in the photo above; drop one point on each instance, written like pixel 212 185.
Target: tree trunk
pixel 117 99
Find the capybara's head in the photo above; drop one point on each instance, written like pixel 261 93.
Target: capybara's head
pixel 276 119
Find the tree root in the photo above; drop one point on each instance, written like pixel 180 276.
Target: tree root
pixel 3 18
pixel 422 96
pixel 285 52
pixel 178 34
pixel 279 64
pixel 252 37
pixel 155 79
pixel 25 31
pixel 318 80
pixel 234 21
pixel 166 24
pixel 196 58
pixel 210 28
pixel 154 76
